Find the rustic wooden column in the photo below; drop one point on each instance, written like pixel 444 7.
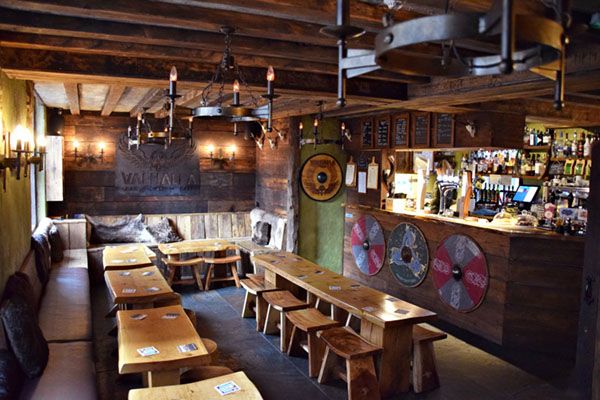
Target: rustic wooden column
pixel 588 343
pixel 293 167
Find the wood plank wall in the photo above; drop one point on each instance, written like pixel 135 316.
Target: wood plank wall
pixel 90 188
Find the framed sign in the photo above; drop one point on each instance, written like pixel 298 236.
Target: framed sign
pixel 420 130
pixel 382 132
pixel 366 132
pixel 443 130
pixel 400 130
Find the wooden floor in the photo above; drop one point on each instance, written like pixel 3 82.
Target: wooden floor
pixel 465 371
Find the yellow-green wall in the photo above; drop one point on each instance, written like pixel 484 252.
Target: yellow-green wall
pixel 321 230
pixel 15 213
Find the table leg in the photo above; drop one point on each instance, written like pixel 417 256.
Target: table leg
pixel 261 310
pixel 162 378
pixel 394 362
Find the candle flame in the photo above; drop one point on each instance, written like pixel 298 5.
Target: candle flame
pixel 301 126
pixel 316 123
pixel 211 148
pixel 232 148
pixel 173 76
pixel 236 86
pixel 101 146
pixel 75 144
pixel 270 74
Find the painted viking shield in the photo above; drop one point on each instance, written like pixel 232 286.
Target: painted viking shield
pixel 368 245
pixel 408 254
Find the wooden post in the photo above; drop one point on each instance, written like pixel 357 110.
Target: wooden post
pixel 293 214
pixel 588 344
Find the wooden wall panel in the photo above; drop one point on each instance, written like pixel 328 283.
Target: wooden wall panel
pixel 90 187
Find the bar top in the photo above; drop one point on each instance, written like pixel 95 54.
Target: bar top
pixel 527 231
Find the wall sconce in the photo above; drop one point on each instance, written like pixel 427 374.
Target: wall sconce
pixel 20 152
pixel 88 157
pixel 345 132
pixel 218 156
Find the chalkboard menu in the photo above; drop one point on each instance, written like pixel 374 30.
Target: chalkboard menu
pixel 366 132
pixel 383 132
pixel 443 130
pixel 400 131
pixel 420 130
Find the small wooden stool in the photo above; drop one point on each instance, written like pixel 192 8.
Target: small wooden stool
pixel 424 370
pixel 360 364
pixel 282 301
pixel 229 260
pixel 194 263
pixel 309 321
pixel 259 279
pixel 253 297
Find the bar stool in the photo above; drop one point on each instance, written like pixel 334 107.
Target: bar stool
pixel 307 323
pixel 225 261
pixel 360 364
pixel 193 263
pixel 253 301
pixel 281 301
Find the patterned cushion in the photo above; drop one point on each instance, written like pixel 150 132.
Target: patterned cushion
pixel 262 233
pixel 164 232
pixel 126 230
pixel 56 244
pixel 18 285
pixel 25 336
pixel 11 376
pixel 41 247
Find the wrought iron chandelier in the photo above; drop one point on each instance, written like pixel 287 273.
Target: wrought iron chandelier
pixel 527 42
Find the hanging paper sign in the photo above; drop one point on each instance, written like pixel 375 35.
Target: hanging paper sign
pixel 408 255
pixel 460 273
pixel 321 177
pixel 368 245
pixel 362 182
pixel 351 173
pixel 373 175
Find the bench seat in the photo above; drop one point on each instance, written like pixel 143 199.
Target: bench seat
pixel 73 258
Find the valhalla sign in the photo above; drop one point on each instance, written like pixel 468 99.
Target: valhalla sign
pixel 153 170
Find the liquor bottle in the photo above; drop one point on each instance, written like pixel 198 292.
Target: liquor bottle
pixel 538 166
pixel 587 146
pixel 532 137
pixel 574 145
pixel 580 144
pixel 547 136
pixel 560 151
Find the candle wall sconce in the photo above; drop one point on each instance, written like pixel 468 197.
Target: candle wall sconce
pixel 219 157
pixel 88 157
pixel 20 152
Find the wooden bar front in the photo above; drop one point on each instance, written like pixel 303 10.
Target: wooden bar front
pixel 532 301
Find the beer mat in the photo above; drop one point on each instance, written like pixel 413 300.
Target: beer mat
pixel 125 273
pixel 170 316
pixel 147 273
pixel 335 288
pixel 401 311
pixel 117 261
pixel 131 260
pixel 128 290
pixel 227 388
pixel 139 317
pixel 368 309
pixel 319 272
pixel 392 299
pixel 354 286
pixel 186 348
pixel 153 289
pixel 301 277
pixel 148 351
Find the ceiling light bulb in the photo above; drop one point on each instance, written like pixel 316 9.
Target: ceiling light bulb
pixel 270 74
pixel 236 86
pixel 173 76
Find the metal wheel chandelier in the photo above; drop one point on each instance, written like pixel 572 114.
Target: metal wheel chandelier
pixel 527 42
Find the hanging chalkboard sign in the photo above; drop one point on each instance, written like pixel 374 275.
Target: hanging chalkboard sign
pixel 420 132
pixel 366 132
pixel 362 162
pixel 400 125
pixel 383 132
pixel 443 130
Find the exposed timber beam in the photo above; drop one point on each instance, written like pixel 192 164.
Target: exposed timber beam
pixel 72 92
pixel 112 99
pixel 40 65
pixel 151 97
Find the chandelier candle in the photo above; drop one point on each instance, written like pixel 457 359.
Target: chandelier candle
pixel 236 93
pixel 270 96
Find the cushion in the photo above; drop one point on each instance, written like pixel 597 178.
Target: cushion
pixel 18 285
pixel 66 312
pixel 69 375
pixel 262 233
pixel 56 244
pixel 125 230
pixel 11 376
pixel 41 247
pixel 28 268
pixel 164 232
pixel 24 336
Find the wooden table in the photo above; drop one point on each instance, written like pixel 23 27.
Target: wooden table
pixel 126 256
pixel 195 246
pixel 148 283
pixel 386 321
pixel 165 334
pixel 200 390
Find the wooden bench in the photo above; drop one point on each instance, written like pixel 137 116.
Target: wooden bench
pixel 424 369
pixel 280 301
pixel 360 364
pixel 230 261
pixel 309 321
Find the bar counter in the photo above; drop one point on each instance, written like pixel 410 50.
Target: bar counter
pixel 534 279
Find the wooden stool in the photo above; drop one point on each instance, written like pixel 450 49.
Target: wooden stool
pixel 360 365
pixel 282 301
pixel 174 265
pixel 424 370
pixel 309 321
pixel 253 297
pixel 259 279
pixel 229 260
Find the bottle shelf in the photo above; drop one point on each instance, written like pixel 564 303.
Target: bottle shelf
pixel 545 148
pixel 570 158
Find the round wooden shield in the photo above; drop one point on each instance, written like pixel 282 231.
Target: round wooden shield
pixel 321 177
pixel 460 273
pixel 408 254
pixel 368 245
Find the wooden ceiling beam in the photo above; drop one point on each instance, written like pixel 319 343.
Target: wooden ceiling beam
pixel 112 99
pixel 72 92
pixel 151 97
pixel 127 71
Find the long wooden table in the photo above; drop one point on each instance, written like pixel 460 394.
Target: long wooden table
pixel 201 390
pixel 163 332
pixel 195 246
pixel 139 286
pixel 386 321
pixel 126 256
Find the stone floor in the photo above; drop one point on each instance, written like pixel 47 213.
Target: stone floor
pixel 466 372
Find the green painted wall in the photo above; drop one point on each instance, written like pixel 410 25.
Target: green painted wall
pixel 15 213
pixel 321 230
pixel 40 182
